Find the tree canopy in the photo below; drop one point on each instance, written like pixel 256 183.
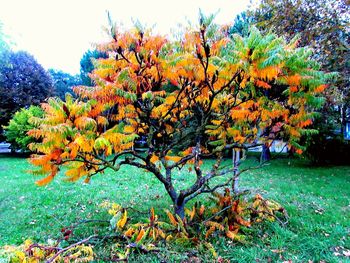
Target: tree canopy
pixel 324 26
pixel 63 82
pixel 194 97
pixel 23 82
pixel 87 65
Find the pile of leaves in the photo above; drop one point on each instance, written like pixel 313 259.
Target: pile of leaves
pixel 230 217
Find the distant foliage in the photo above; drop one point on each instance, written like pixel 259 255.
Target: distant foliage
pixel 242 23
pixel 87 65
pixel 23 82
pixel 324 26
pixel 20 124
pixel 63 82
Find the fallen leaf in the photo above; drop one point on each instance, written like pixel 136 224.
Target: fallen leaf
pixel 277 250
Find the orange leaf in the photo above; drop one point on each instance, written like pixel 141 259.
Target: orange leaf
pixel 293 89
pixel 321 88
pixel 140 235
pixel 262 84
pixel 152 217
pixel 129 232
pixel 210 231
pixel 45 180
pixel 49 178
pixel 242 222
pixel 171 218
pixel 154 158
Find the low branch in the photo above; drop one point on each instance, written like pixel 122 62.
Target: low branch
pixel 212 175
pixel 53 258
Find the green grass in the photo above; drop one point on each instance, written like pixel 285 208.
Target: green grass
pixel 317 200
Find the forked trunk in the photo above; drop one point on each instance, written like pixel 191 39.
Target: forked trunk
pixel 179 209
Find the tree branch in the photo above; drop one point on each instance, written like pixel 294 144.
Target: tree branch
pixel 53 258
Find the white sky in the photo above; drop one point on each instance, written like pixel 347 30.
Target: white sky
pixel 58 32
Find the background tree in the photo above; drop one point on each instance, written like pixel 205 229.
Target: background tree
pixel 23 82
pixel 19 125
pixel 63 82
pixel 87 65
pixel 323 26
pixel 242 23
pixel 218 102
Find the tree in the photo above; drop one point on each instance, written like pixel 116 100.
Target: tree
pixel 19 125
pixel 63 82
pixel 23 82
pixel 87 65
pixel 202 95
pixel 242 23
pixel 324 26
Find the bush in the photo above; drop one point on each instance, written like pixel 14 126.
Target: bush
pixel 329 150
pixel 16 131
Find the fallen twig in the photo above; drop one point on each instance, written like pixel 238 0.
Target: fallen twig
pixel 53 258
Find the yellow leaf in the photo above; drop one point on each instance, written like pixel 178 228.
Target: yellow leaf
pixel 161 233
pixel 192 213
pixel 129 129
pixel 169 238
pixel 216 122
pixel 122 221
pixel 172 158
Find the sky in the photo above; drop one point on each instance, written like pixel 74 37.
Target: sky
pixel 58 32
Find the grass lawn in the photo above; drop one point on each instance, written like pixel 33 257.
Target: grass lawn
pixel 317 200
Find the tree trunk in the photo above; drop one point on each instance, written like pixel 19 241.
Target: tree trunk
pixel 265 153
pixel 342 120
pixel 235 160
pixel 179 208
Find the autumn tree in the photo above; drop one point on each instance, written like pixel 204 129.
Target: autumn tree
pixel 193 98
pixel 324 26
pixel 87 65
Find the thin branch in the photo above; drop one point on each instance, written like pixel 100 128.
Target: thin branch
pixel 53 258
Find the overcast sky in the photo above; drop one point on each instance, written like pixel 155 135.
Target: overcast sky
pixel 58 32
